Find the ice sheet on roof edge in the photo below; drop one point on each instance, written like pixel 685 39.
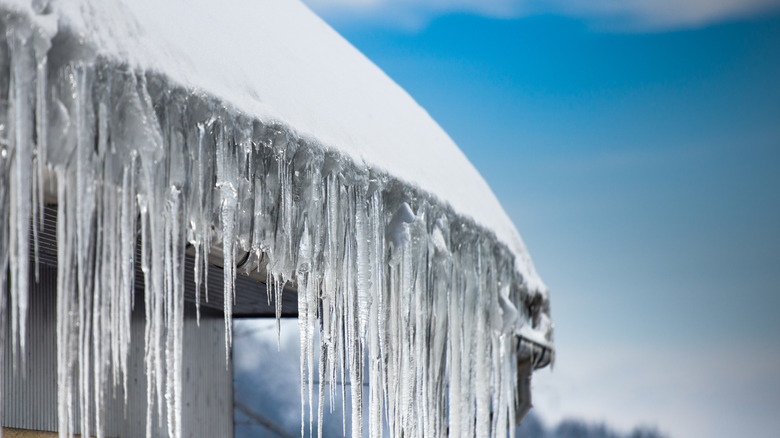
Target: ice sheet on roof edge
pixel 156 147
pixel 311 80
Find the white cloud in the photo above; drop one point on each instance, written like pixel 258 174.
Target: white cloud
pixel 632 15
pixel 660 14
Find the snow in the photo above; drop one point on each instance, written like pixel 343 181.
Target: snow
pixel 254 127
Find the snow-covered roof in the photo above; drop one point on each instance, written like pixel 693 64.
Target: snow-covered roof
pixel 252 128
pixel 277 61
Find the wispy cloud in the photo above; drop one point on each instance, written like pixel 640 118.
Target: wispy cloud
pixel 627 15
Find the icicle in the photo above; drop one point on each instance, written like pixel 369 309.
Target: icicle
pixel 126 291
pixel 85 242
pixel 454 351
pixel 363 264
pixel 21 178
pixel 5 170
pixel 304 261
pixel 41 46
pixel 201 239
pixel 376 319
pixel 228 188
pixel 482 377
pixel 66 359
pixel 105 275
pixel 3 250
pixel 149 303
pixel 281 262
pixel 174 312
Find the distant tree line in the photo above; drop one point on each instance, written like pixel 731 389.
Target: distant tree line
pixel 532 427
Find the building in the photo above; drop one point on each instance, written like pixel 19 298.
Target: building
pixel 152 149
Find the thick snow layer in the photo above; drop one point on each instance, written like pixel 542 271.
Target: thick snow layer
pixel 276 60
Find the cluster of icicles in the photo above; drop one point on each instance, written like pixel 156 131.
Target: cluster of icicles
pixel 402 293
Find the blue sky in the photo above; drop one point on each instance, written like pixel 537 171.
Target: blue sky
pixel 636 147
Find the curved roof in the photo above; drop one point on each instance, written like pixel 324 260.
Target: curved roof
pixel 275 60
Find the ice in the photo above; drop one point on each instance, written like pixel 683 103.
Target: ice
pixel 404 301
pixel 20 92
pixel 199 232
pixel 175 311
pixel 227 183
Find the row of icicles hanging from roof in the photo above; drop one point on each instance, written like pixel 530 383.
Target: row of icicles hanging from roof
pixel 400 292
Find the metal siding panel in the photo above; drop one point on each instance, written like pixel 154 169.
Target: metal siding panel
pixel 30 389
pixel 207 379
pixel 30 383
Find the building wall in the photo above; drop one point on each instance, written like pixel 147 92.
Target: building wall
pixel 30 383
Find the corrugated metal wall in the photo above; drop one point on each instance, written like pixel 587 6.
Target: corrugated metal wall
pixel 30 387
pixel 30 390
